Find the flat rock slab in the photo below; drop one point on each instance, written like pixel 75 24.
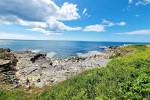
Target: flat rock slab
pixel 3 62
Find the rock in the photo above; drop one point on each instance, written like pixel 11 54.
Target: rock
pixel 51 64
pixel 7 66
pixel 37 56
pixel 112 47
pixel 38 80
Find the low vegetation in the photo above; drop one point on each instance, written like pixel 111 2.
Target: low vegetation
pixel 125 77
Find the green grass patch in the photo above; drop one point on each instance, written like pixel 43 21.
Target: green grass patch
pixel 12 95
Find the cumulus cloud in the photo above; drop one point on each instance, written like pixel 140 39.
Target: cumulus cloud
pixel 54 26
pixel 101 27
pixel 33 10
pixel 67 12
pixel 15 20
pixel 138 32
pixel 38 14
pixel 94 28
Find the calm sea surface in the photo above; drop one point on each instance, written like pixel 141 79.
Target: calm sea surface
pixel 59 49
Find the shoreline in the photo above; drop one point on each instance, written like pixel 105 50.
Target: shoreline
pixel 27 68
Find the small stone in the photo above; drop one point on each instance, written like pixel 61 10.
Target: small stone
pixel 38 80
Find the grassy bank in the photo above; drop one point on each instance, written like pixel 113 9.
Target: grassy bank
pixel 125 77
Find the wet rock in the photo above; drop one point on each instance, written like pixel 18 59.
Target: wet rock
pixel 37 57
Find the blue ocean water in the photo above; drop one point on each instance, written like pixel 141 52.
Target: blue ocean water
pixel 60 49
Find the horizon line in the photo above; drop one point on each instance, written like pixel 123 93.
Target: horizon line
pixel 75 40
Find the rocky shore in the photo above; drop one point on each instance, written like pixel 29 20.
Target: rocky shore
pixel 26 68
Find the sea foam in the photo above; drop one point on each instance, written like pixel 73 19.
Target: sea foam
pixel 36 51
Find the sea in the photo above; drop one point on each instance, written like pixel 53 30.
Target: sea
pixel 61 49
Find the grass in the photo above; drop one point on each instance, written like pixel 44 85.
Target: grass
pixel 12 95
pixel 125 77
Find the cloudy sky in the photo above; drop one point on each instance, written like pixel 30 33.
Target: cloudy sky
pixel 86 20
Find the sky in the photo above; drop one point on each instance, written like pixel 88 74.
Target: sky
pixel 80 20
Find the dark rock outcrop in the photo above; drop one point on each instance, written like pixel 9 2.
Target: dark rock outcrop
pixel 36 57
pixel 7 66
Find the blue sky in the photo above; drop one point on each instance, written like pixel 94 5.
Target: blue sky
pixel 84 20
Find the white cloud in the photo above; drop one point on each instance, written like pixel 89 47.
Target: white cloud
pixel 142 2
pixel 122 23
pixel 101 27
pixel 43 14
pixel 139 2
pixel 33 10
pixel 107 23
pixel 138 32
pixel 67 12
pixel 95 28
pixel 45 31
pixel 85 12
pixel 54 27
pixel 130 1
pixel 38 10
